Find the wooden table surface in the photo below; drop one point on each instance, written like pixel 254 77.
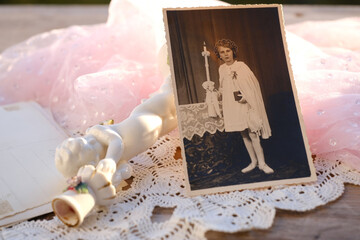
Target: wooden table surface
pixel 337 220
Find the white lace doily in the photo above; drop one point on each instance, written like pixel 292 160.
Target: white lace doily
pixel 159 181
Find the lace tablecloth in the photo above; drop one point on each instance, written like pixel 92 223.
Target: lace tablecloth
pixel 159 181
pixel 197 121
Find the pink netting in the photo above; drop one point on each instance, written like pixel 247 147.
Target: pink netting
pixel 87 74
pixel 84 74
pixel 326 64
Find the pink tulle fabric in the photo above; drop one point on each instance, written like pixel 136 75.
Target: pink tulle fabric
pixel 326 63
pixel 88 74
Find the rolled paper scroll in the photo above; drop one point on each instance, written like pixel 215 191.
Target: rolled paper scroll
pixel 89 187
pixel 72 208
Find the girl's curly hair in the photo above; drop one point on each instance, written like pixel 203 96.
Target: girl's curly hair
pixel 225 43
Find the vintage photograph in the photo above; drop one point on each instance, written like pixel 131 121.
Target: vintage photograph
pixel 239 118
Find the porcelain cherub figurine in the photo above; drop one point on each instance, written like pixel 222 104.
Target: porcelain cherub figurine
pixel 109 147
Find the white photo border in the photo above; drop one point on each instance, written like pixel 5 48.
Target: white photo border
pixel 253 185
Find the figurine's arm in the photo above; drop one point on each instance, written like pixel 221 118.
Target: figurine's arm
pixel 115 144
pixel 109 138
pixel 150 120
pixel 112 142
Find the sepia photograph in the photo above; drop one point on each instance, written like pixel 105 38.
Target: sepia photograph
pixel 239 118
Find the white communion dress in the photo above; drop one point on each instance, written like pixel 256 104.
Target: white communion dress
pixel 250 114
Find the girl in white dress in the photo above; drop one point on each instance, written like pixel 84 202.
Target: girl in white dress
pixel 243 105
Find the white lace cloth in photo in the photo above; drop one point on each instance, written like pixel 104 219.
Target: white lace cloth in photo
pixel 194 119
pixel 159 181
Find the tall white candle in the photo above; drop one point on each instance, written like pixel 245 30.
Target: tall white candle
pixel 206 54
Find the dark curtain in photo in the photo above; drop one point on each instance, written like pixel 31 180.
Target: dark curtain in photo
pixel 257 34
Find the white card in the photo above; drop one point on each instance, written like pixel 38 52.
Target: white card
pixel 28 176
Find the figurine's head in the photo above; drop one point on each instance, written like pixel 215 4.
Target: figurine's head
pixel 74 153
pixel 226 50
